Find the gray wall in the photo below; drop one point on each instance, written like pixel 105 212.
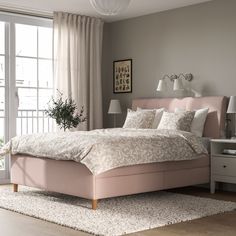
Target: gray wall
pixel 200 39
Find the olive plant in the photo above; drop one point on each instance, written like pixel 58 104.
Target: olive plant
pixel 65 112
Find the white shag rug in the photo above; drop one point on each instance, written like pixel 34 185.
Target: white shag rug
pixel 115 216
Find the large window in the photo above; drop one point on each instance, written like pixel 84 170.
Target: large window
pixel 26 77
pixel 33 77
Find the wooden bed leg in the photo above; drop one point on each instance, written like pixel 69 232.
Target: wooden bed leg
pixel 94 204
pixel 15 188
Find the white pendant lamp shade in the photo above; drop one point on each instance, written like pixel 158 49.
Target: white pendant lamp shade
pixel 178 85
pixel 161 85
pixel 110 7
pixel 114 107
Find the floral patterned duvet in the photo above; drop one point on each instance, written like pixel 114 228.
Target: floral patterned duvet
pixel 106 149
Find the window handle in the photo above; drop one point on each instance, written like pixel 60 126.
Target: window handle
pixel 17 98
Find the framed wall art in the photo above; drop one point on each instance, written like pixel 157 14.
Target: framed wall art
pixel 122 76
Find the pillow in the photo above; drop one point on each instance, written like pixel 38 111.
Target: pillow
pixel 139 119
pixel 158 115
pixel 199 119
pixel 177 121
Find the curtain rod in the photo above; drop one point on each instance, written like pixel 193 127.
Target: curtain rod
pixel 26 12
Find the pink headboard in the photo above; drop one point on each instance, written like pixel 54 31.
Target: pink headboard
pixel 215 122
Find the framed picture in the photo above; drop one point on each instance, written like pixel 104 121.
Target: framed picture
pixel 122 76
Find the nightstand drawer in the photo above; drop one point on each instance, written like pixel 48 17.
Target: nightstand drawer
pixel 224 166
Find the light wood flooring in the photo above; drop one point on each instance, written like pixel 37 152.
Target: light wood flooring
pixel 14 224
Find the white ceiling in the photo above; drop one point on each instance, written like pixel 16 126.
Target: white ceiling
pixel 83 7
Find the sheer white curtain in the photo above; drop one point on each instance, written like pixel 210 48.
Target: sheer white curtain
pixel 77 69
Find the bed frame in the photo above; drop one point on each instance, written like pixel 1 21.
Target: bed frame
pixel 74 178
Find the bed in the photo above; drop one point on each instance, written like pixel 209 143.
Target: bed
pixel 76 179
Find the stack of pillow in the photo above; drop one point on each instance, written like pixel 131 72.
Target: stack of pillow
pixel 190 121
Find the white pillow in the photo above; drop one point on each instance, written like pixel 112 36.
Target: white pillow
pixel 158 115
pixel 139 119
pixel 198 122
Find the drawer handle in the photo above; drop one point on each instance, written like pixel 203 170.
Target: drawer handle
pixel 224 166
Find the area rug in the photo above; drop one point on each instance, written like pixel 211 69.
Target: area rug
pixel 115 216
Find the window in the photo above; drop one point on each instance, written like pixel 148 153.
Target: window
pixel 2 88
pixel 33 77
pixel 26 77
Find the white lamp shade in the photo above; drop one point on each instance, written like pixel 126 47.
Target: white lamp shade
pixel 178 85
pixel 161 85
pixel 114 107
pixel 232 105
pixel 109 7
pixel 196 93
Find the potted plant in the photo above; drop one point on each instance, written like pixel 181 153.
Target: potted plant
pixel 65 112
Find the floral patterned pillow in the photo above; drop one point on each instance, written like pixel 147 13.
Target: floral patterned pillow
pixel 177 121
pixel 139 119
pixel 158 115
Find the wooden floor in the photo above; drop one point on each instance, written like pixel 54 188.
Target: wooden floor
pixel 14 224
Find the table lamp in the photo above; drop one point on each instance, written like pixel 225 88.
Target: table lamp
pixel 232 110
pixel 114 109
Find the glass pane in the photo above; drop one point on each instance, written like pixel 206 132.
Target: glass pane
pixel 26 72
pixel 45 74
pixel 2 37
pixel 27 100
pixel 44 97
pixel 26 124
pixel 2 161
pixel 45 42
pixel 26 40
pixel 2 101
pixel 2 70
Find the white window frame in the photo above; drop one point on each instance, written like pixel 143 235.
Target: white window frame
pixel 10 86
pixel 4 174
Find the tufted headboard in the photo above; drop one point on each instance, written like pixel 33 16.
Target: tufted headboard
pixel 215 122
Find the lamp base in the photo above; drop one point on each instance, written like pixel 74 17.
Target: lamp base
pixel 114 124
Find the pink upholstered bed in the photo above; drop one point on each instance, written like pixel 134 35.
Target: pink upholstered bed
pixel 74 178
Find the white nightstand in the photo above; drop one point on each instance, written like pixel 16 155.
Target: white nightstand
pixel 223 166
